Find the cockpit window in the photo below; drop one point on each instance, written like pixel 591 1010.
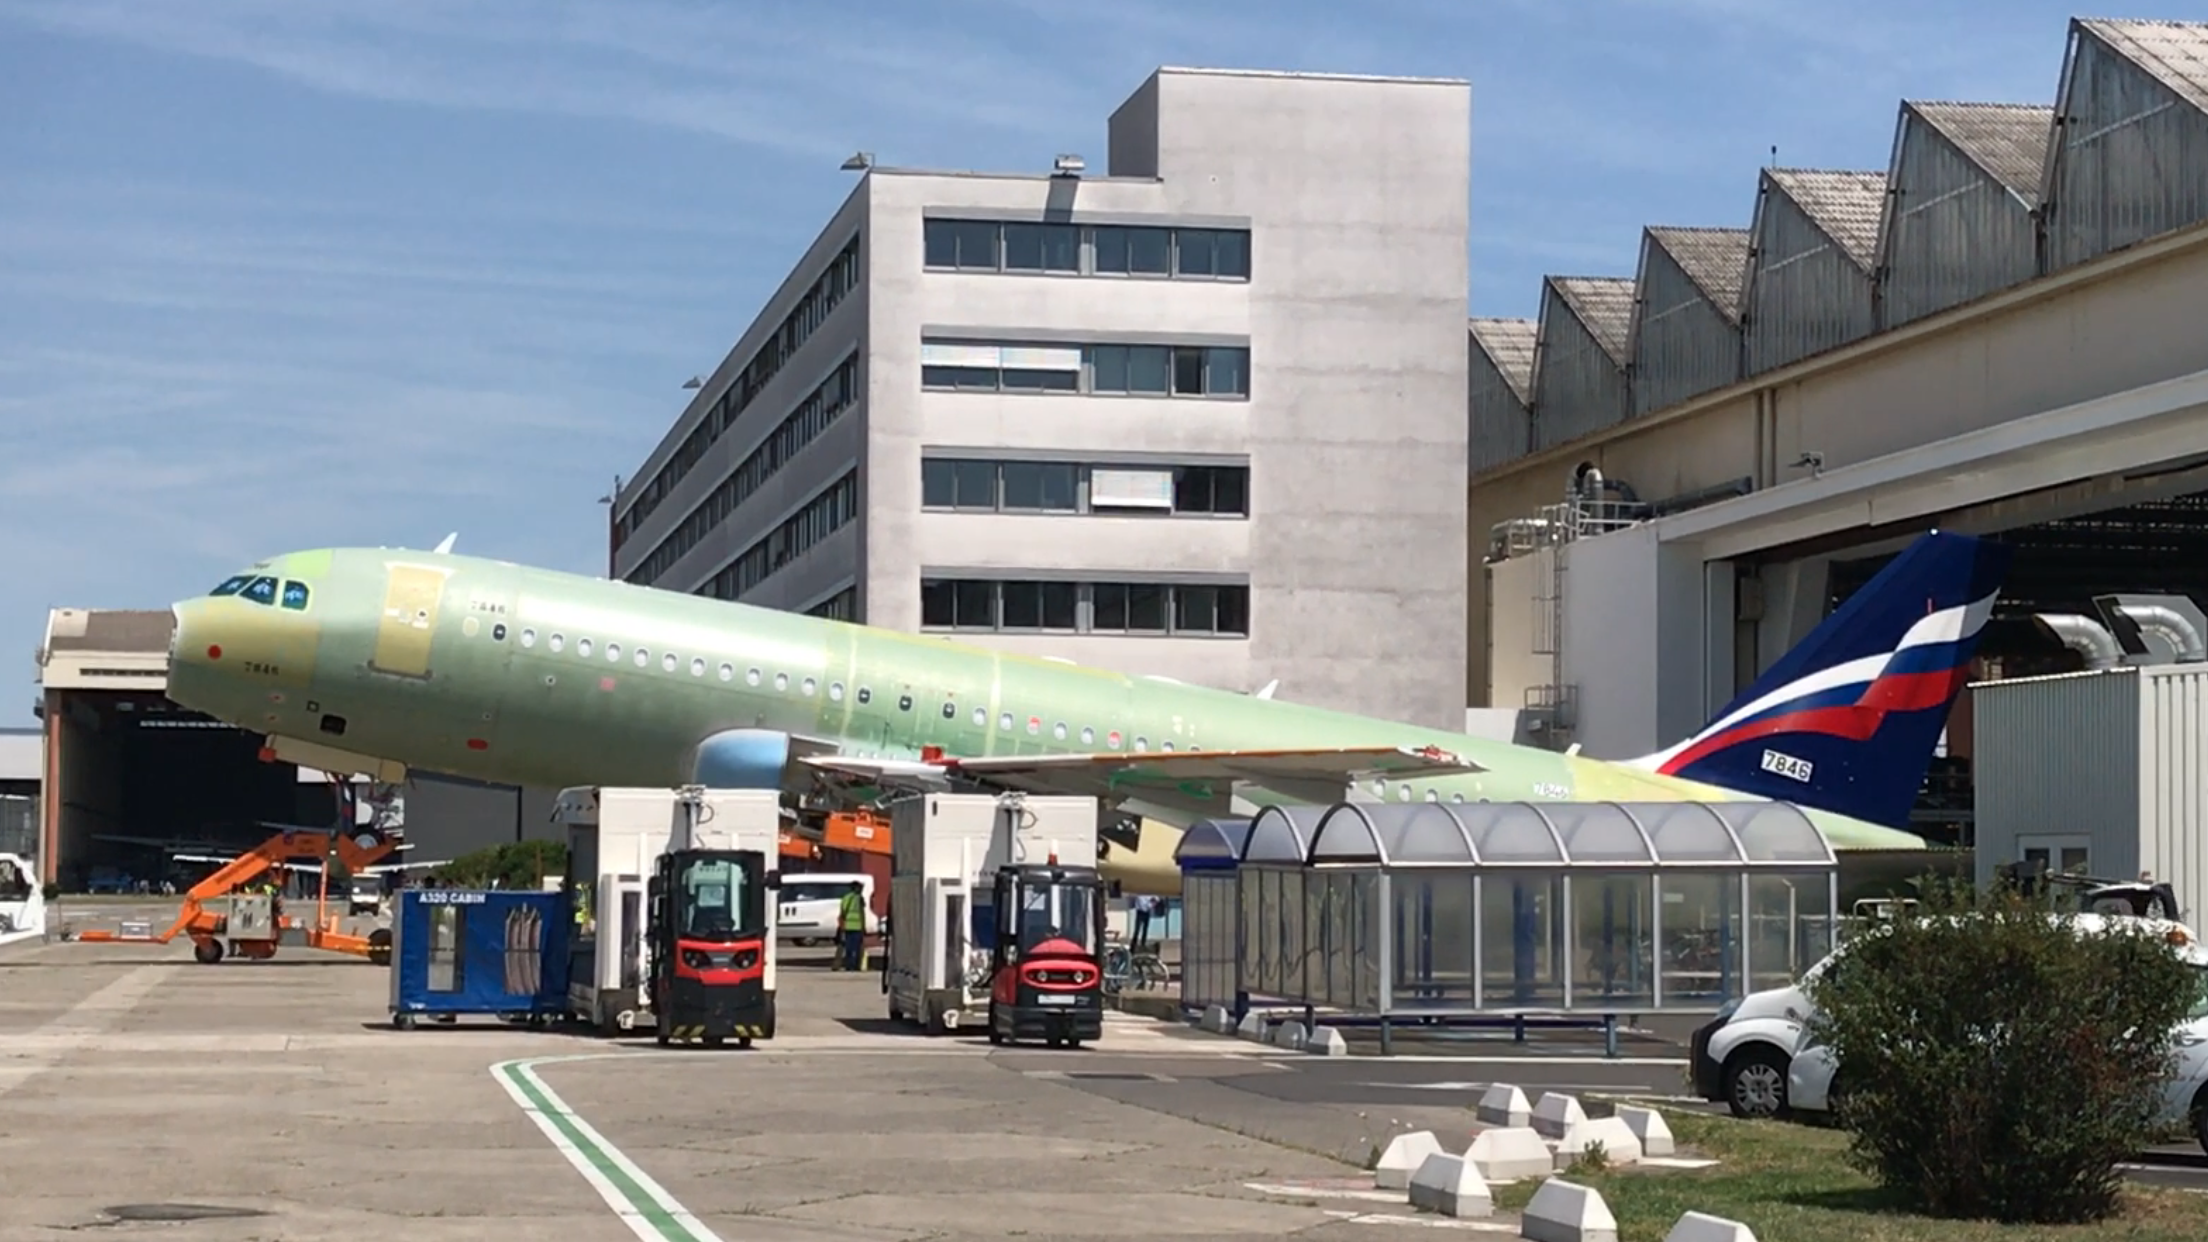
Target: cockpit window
pixel 295 595
pixel 261 590
pixel 231 586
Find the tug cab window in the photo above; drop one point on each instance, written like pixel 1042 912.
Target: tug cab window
pixel 261 590
pixel 295 596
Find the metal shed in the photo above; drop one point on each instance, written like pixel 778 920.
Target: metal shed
pixel 1420 911
pixel 2104 772
pixel 1501 390
pixel 1809 286
pixel 1209 855
pixel 1579 375
pixel 2129 155
pixel 1686 315
pixel 1960 222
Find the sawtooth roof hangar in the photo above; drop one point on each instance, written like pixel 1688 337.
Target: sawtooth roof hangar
pixel 1999 333
pixel 130 779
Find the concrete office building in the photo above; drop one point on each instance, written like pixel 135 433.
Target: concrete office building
pixel 1199 417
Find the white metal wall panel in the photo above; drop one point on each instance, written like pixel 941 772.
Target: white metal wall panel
pixel 2173 762
pixel 1040 357
pixel 1131 489
pixel 951 354
pixel 2058 757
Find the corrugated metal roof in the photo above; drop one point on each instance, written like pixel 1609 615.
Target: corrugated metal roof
pixel 1846 205
pixel 1605 305
pixel 2009 141
pixel 2174 53
pixel 116 630
pixel 1508 343
pixel 1716 260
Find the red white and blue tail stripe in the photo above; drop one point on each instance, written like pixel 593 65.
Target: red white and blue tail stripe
pixel 1847 721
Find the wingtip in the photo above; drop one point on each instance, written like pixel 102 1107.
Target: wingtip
pixel 444 546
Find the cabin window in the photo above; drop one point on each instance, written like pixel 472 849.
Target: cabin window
pixel 950 711
pixel 582 647
pixel 1112 739
pixel 643 657
pixel 865 696
pixel 295 596
pixel 1167 747
pixel 697 667
pixel 1034 726
pixel 1405 790
pixel 498 633
pixel 528 638
pixel 1088 736
pixel 559 642
pixel 1004 722
pixel 808 686
pixel 613 653
pixel 981 717
pixel 781 683
pixel 1456 797
pixel 1142 745
pixel 668 662
pixel 261 590
pixel 1431 796
pixel 1059 730
pixel 751 677
pixel 728 672
pixel 231 586
pixel 835 692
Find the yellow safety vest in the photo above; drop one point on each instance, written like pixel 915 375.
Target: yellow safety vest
pixel 854 912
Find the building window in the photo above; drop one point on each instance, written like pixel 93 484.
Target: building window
pixel 1122 370
pixel 829 290
pixel 980 486
pixel 1135 608
pixel 805 423
pixel 842 606
pixel 833 508
pixel 1161 252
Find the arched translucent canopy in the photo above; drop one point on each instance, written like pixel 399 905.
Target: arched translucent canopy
pixel 1607 835
pixel 1282 834
pixel 1212 845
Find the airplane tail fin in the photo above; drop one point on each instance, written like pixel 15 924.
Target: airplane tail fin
pixel 1847 721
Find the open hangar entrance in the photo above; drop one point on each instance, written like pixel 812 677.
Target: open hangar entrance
pixel 2143 533
pixel 131 779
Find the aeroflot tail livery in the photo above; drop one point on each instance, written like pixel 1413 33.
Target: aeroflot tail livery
pixel 377 660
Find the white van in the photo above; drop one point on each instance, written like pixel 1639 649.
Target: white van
pixel 1745 1056
pixel 813 900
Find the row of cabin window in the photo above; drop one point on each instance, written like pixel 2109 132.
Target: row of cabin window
pixel 1092 250
pixel 264 589
pixel 669 662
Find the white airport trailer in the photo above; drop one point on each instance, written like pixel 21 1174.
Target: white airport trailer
pixel 945 850
pixel 614 837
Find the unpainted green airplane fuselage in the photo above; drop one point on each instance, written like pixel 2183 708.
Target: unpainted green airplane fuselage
pixel 504 673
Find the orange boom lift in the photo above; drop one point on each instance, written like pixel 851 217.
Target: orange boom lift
pixel 223 922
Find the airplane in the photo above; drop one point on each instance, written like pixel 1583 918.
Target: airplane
pixel 375 660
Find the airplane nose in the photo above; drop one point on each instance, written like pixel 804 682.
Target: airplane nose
pixel 188 643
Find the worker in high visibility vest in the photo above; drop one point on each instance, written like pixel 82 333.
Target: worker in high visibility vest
pixel 851 928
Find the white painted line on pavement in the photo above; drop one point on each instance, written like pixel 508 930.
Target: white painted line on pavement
pixel 642 1204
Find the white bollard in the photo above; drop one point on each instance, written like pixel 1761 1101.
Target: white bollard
pixel 1555 1114
pixel 1564 1211
pixel 1508 1153
pixel 1619 1146
pixel 1503 1105
pixel 1648 1126
pixel 1702 1227
pixel 1405 1152
pixel 1450 1186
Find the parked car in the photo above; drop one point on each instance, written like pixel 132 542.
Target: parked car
pixel 813 900
pixel 1744 1057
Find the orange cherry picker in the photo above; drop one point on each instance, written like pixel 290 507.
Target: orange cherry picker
pixel 223 921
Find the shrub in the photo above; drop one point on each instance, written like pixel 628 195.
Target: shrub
pixel 1995 1061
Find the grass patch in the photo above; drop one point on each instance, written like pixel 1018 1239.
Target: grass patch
pixel 1790 1182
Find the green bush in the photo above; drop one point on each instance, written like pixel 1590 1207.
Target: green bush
pixel 514 865
pixel 1994 1061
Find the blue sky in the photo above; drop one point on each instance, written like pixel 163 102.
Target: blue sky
pixel 291 273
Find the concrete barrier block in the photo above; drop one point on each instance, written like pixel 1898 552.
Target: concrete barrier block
pixel 1619 1145
pixel 1216 1019
pixel 1404 1154
pixel 1509 1153
pixel 1564 1211
pixel 1503 1105
pixel 1290 1035
pixel 1648 1126
pixel 1702 1227
pixel 1554 1114
pixel 1325 1041
pixel 1252 1025
pixel 1450 1186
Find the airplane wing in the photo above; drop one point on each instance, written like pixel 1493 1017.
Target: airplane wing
pixel 1199 783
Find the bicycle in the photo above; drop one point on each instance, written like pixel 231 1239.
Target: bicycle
pixel 1142 968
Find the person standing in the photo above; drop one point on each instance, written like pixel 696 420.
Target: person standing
pixel 851 928
pixel 1145 907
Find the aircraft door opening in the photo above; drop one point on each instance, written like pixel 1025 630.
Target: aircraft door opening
pixel 411 599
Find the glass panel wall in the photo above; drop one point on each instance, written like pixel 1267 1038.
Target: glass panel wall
pixel 1701 937
pixel 1522 939
pixel 1433 939
pixel 1613 942
pixel 1210 927
pixel 1788 927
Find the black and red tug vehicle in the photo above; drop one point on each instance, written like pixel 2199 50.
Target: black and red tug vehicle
pixel 1046 963
pixel 711 946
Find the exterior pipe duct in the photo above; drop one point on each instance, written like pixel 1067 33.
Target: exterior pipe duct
pixel 2085 636
pixel 2174 626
